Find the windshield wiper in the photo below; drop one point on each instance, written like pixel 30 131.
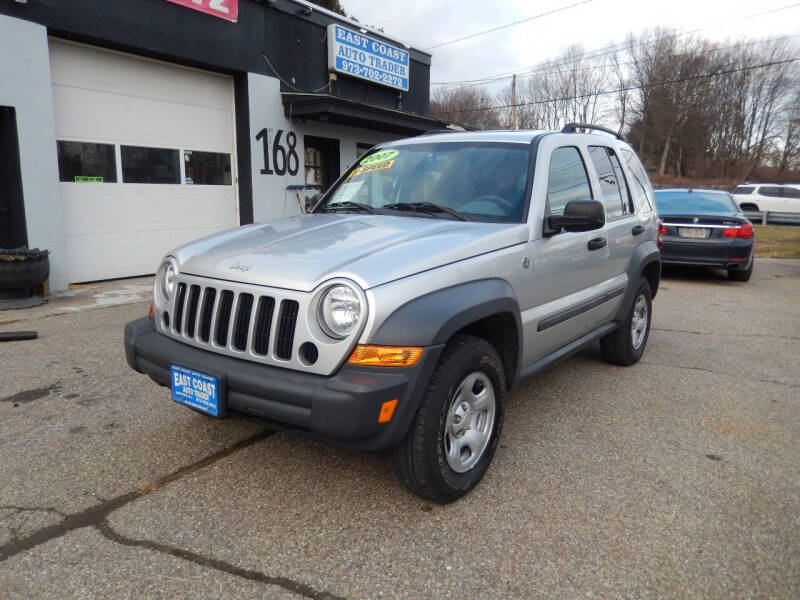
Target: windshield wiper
pixel 348 205
pixel 427 208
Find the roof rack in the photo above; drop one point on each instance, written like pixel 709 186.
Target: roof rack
pixel 573 128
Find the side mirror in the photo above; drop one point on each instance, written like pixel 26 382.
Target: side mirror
pixel 579 215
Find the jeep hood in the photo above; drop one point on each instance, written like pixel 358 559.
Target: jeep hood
pixel 301 252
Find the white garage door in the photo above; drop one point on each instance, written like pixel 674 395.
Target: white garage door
pixel 146 158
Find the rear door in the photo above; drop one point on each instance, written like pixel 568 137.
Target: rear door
pixel 568 277
pixel 623 229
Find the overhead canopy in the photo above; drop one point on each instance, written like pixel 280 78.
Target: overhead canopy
pixel 343 111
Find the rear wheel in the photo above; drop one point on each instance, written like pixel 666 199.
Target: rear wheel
pixel 625 346
pixel 741 274
pixel 454 435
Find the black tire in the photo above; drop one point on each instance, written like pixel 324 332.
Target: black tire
pixel 420 462
pixel 741 274
pixel 618 347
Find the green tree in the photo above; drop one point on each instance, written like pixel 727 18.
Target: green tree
pixel 331 5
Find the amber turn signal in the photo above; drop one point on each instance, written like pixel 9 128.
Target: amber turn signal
pixel 385 356
pixel 152 311
pixel 387 411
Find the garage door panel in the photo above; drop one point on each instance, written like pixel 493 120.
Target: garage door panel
pixel 123 229
pixel 114 209
pixel 140 121
pixel 88 256
pixel 87 68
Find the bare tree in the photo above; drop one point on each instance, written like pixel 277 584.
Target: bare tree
pixel 473 106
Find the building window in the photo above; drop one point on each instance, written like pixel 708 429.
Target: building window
pixel 315 169
pixel 150 165
pixel 567 179
pixel 207 168
pixel 82 162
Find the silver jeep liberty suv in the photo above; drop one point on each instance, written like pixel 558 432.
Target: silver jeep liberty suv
pixel 434 275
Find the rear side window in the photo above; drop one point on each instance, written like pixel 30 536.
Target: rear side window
pixel 567 179
pixel 774 191
pixel 743 190
pixel 612 193
pixel 640 178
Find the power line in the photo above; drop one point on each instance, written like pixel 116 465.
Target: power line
pixel 625 89
pixel 525 20
pixel 478 82
pixel 610 49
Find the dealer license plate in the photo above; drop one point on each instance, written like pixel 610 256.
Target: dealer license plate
pixel 196 390
pixel 697 233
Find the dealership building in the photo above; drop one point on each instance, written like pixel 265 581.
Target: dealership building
pixel 128 128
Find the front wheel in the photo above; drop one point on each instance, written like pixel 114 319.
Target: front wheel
pixel 625 346
pixel 454 435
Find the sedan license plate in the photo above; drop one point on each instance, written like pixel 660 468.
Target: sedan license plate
pixel 697 233
pixel 196 390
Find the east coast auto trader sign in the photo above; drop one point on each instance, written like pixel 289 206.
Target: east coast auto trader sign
pixel 224 9
pixel 353 53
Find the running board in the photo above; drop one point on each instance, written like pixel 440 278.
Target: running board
pixel 544 363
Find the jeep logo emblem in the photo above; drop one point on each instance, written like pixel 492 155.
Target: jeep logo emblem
pixel 239 267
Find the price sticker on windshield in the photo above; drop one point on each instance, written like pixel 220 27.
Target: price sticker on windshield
pixel 378 166
pixel 379 157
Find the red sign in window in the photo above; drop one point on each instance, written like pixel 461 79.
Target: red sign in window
pixel 224 9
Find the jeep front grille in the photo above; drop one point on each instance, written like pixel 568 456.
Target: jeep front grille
pixel 229 315
pixel 251 322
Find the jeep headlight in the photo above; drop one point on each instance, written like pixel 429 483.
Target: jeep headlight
pixel 165 279
pixel 339 311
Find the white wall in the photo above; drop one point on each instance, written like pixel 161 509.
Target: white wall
pixel 271 200
pixel 25 85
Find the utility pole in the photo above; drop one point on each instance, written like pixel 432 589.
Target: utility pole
pixel 514 101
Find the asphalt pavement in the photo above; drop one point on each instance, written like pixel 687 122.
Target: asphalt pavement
pixel 677 477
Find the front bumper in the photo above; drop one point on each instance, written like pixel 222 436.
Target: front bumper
pixel 707 253
pixel 341 409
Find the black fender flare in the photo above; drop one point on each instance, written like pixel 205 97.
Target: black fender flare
pixel 643 255
pixel 433 318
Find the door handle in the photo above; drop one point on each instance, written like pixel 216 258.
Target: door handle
pixel 597 243
pixel 637 230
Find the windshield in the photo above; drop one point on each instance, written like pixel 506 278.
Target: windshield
pixel 474 181
pixel 682 203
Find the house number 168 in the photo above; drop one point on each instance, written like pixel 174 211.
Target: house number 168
pixel 282 161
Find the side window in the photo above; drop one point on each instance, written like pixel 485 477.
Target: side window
pixel 642 190
pixel 770 191
pixel 791 193
pixel 627 202
pixel 642 182
pixel 609 182
pixel 567 179
pixel 743 190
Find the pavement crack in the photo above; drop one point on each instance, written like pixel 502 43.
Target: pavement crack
pixel 284 582
pixel 98 513
pixel 723 373
pixel 723 334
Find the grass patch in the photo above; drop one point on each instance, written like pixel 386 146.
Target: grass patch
pixel 777 242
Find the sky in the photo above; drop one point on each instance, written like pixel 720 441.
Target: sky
pixel 591 23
